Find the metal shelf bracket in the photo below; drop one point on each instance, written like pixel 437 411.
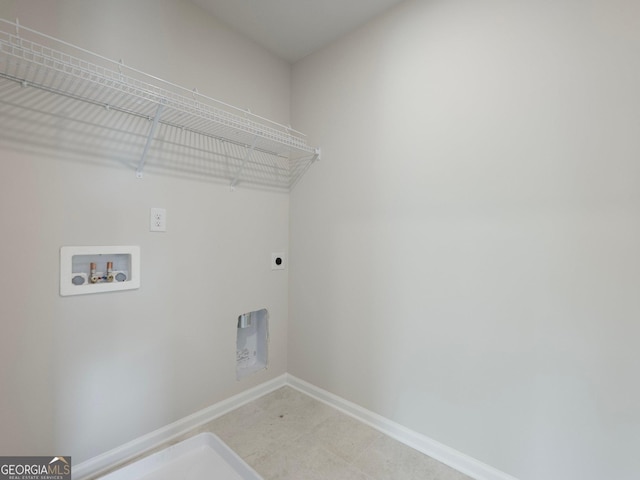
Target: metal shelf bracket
pixel 236 178
pixel 152 133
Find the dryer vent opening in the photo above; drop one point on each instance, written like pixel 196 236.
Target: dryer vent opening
pixel 252 342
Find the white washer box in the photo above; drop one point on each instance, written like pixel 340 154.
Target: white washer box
pixel 75 269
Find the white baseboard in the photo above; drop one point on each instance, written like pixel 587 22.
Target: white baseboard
pixel 105 461
pixel 457 460
pixel 461 462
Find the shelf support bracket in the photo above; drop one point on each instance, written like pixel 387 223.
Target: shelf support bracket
pixel 235 180
pixel 152 132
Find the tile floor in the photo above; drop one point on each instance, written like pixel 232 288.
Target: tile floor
pixel 287 435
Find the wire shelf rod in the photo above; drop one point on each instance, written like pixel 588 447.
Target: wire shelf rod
pixel 119 65
pixel 189 131
pixel 94 74
pixel 137 114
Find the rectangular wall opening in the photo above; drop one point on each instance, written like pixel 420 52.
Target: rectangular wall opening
pixel 96 269
pixel 252 343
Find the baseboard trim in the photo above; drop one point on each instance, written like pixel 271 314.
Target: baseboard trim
pixel 102 463
pixel 453 458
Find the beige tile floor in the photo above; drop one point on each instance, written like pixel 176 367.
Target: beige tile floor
pixel 287 435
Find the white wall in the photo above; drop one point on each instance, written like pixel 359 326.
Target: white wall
pixel 82 375
pixel 464 259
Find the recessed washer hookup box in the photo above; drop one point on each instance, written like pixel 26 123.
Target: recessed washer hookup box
pixel 96 269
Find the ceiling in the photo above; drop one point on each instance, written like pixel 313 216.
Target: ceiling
pixel 293 29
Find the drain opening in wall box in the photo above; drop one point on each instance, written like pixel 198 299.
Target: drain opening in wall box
pixel 252 342
pixel 96 269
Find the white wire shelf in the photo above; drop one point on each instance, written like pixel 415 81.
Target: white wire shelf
pixel 56 95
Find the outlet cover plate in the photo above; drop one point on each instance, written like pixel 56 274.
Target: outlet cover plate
pixel 158 220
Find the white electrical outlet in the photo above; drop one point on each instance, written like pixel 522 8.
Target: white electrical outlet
pixel 158 220
pixel 277 261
